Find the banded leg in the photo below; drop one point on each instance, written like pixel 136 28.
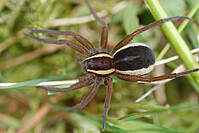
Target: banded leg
pixel 93 90
pixel 76 36
pixel 73 87
pixel 104 35
pixel 145 79
pixel 107 100
pixel 71 44
pixel 128 38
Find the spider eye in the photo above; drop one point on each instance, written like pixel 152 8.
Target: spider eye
pixel 134 59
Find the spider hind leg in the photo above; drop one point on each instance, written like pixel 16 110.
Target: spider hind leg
pixel 153 79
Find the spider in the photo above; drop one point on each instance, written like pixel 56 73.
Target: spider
pixel 127 61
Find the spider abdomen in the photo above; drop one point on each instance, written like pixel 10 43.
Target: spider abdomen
pixel 100 64
pixel 134 59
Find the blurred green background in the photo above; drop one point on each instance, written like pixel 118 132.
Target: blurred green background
pixel 27 109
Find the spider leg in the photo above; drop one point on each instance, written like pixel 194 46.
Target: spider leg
pixel 76 36
pixel 93 90
pixel 104 35
pixel 71 44
pixel 73 87
pixel 158 78
pixel 85 77
pixel 79 58
pixel 128 38
pixel 108 81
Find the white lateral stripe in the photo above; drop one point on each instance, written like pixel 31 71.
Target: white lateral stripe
pixel 100 55
pixel 136 72
pixel 102 72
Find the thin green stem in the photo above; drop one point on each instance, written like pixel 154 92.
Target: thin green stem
pixel 180 29
pixel 174 37
pixel 163 52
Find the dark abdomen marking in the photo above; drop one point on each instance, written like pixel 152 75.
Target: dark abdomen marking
pixel 134 59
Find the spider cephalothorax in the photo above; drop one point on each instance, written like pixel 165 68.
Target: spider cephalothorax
pixel 100 64
pixel 126 61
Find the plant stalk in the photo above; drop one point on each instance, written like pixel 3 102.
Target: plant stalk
pixel 174 37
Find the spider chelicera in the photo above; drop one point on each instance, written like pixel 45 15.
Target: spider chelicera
pixel 127 61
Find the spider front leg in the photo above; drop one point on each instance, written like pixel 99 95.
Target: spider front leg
pixel 104 35
pixel 80 57
pixel 130 37
pixel 76 36
pixel 153 79
pixel 71 44
pixel 90 78
pixel 109 83
pixel 93 90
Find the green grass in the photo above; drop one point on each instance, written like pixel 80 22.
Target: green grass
pixel 28 62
